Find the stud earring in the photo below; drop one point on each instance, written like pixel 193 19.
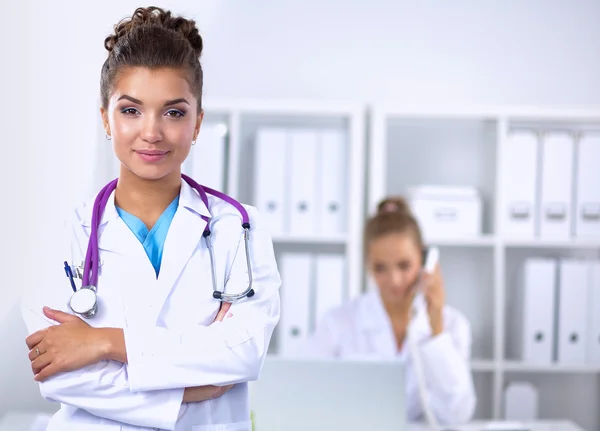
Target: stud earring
pixel 108 137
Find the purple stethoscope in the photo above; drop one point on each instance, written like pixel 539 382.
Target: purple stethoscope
pixel 84 300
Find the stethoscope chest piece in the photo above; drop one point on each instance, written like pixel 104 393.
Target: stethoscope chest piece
pixel 84 302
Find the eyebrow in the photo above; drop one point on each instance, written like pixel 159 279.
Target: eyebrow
pixel 139 102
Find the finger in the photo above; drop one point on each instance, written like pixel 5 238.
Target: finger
pixel 59 316
pixel 217 393
pixel 40 363
pixel 47 372
pixel 35 352
pixel 225 306
pixel 221 390
pixel 203 393
pixel 35 338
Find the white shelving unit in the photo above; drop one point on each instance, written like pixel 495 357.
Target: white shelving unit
pixel 462 147
pixel 244 117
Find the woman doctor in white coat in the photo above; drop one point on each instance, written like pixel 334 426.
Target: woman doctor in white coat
pixel 160 352
pixel 375 325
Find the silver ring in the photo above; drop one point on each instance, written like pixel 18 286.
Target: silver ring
pixel 37 351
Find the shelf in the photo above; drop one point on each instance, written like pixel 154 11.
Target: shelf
pixel 310 239
pixel 482 241
pixel 552 243
pixel 286 107
pixel 491 240
pixel 550 368
pixel 482 365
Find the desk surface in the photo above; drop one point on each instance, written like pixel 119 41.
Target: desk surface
pixel 24 421
pixel 489 426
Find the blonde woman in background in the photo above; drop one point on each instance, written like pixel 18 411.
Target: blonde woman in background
pixel 375 324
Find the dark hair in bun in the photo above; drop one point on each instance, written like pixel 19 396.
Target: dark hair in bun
pixel 153 38
pixel 393 205
pixel 393 216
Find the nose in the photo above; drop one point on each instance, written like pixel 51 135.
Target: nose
pixel 151 129
pixel 397 278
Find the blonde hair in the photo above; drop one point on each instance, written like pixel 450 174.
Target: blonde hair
pixel 393 216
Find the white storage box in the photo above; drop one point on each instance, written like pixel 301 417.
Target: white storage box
pixel 446 212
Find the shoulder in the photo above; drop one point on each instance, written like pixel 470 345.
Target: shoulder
pixel 455 321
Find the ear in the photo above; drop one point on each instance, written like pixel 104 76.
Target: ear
pixel 105 123
pixel 198 124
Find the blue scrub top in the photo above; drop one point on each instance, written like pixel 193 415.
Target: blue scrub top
pixel 153 240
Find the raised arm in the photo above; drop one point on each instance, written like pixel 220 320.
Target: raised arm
pixel 448 375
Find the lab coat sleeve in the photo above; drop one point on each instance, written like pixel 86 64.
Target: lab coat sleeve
pixel 446 366
pixel 101 389
pixel 223 353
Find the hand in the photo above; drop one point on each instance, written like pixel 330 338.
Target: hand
pixel 71 345
pixel 203 393
pixel 435 297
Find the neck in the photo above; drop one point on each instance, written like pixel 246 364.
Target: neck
pixel 398 311
pixel 399 314
pixel 146 199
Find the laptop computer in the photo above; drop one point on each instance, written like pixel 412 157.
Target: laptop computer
pixel 328 394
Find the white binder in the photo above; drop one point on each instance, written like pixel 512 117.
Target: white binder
pixel 331 202
pixel 303 181
pixel 294 324
pixel 206 161
pixel 594 314
pixel 555 210
pixel 572 311
pixel 539 306
pixel 270 176
pixel 329 285
pixel 519 174
pixel 587 213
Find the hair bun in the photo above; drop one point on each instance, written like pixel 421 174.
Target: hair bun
pixel 157 16
pixel 394 204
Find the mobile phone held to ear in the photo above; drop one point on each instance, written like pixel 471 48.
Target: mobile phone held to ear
pixel 431 256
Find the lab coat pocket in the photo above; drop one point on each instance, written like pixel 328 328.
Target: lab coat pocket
pixel 235 426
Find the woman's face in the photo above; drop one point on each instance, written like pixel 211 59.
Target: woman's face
pixel 153 118
pixel 394 261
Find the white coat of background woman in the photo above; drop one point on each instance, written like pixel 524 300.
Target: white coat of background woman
pixel 161 352
pixel 375 324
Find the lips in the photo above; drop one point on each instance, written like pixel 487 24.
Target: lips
pixel 151 156
pixel 151 152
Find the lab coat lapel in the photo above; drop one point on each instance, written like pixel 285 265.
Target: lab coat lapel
pixel 183 238
pixel 375 325
pixel 113 234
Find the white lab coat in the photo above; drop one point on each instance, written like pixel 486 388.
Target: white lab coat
pixel 361 329
pixel 171 343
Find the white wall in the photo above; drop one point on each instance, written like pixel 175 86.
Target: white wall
pixel 520 52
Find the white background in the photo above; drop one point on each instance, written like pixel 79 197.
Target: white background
pixel 496 52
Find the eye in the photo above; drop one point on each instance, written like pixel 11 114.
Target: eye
pixel 404 265
pixel 130 111
pixel 379 268
pixel 175 113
